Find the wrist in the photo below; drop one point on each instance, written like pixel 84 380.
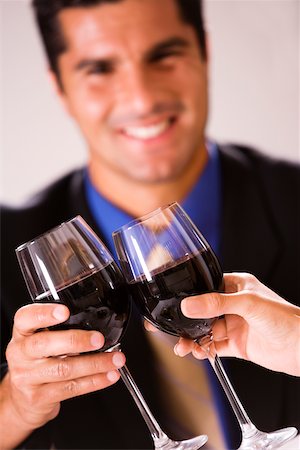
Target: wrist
pixel 17 429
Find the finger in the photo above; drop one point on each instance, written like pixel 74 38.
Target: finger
pixel 239 281
pixel 222 348
pixel 183 347
pixel 186 346
pixel 54 343
pixel 34 316
pixel 198 352
pixel 219 330
pixel 235 281
pixel 73 367
pixel 57 392
pixel 220 338
pixel 215 304
pixel 210 305
pixel 149 327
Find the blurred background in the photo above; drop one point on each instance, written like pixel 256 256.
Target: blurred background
pixel 254 90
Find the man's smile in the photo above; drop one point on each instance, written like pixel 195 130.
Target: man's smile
pixel 151 131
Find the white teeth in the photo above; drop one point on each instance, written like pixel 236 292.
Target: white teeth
pixel 147 132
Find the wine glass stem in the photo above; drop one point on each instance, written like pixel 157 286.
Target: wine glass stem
pixel 156 432
pixel 247 427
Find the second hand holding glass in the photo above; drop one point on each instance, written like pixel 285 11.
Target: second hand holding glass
pixel 164 259
pixel 70 265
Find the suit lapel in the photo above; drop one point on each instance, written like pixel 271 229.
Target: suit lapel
pixel 249 238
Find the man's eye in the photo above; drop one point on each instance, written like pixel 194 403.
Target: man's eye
pixel 101 68
pixel 164 55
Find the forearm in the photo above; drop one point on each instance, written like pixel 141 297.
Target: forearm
pixel 13 429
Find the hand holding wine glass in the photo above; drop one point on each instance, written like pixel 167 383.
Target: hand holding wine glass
pixel 69 265
pixel 258 325
pixel 38 379
pixel 165 259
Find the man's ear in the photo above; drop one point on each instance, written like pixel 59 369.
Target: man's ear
pixel 59 91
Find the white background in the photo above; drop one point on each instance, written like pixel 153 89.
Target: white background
pixel 254 90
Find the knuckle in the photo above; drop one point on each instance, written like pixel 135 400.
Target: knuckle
pixel 18 317
pixel 35 344
pixel 219 302
pixel 14 354
pixel 72 388
pixel 94 382
pixel 17 379
pixel 10 353
pixel 21 377
pixel 247 279
pixel 49 395
pixel 97 364
pixel 62 370
pixel 215 303
pixel 251 301
pixel 35 312
pixel 40 315
pixel 27 392
pixel 244 275
pixel 73 340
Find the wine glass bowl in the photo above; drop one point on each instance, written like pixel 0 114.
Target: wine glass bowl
pixel 169 260
pixel 159 301
pixel 165 258
pixel 71 266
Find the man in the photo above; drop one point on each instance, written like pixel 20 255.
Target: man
pixel 133 75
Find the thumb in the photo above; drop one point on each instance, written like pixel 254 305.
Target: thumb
pixel 216 304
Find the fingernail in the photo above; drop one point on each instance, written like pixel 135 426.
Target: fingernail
pixel 113 376
pixel 96 340
pixel 118 360
pixel 183 305
pixel 178 350
pixel 59 313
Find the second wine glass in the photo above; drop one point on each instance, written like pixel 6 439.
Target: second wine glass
pixel 70 265
pixel 165 258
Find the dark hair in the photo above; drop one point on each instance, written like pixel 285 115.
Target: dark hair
pixel 46 12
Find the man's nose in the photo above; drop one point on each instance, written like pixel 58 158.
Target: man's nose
pixel 140 90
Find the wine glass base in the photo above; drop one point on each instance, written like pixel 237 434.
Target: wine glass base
pixel 189 444
pixel 268 441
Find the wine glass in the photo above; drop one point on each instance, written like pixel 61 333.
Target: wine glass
pixel 70 265
pixel 164 259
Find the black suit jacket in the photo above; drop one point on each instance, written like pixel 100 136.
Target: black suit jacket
pixel 260 234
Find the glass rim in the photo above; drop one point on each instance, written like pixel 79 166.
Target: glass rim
pixel 146 216
pixel 40 236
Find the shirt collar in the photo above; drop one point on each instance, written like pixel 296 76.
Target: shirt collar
pixel 202 204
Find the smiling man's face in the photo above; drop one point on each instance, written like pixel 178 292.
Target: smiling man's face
pixel 135 82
